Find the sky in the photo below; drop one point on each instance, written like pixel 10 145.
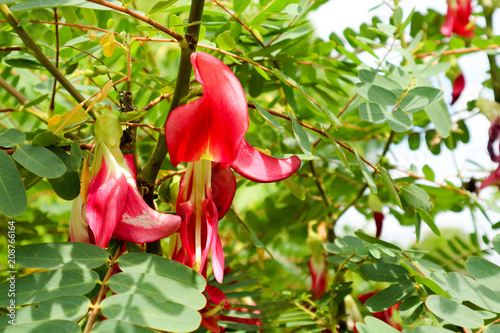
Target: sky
pixel 335 16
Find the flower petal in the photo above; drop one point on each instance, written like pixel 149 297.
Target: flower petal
pixel 213 126
pixel 493 179
pixel 223 189
pixel 78 226
pixel 139 222
pixel 259 167
pixel 458 87
pixel 106 201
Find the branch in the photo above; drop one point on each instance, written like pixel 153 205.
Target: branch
pixel 182 42
pixel 40 56
pixel 240 22
pixel 152 167
pixel 23 100
pixel 457 51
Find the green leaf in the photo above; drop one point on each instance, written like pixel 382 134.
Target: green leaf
pixel 416 197
pixel 75 156
pixel 19 62
pixel 387 29
pixel 413 103
pixel 389 185
pixel 225 41
pixel 11 137
pixel 301 136
pixel 68 185
pixel 89 16
pixel 429 221
pixel 52 326
pixel 440 117
pixel 283 77
pixel 374 325
pixel 107 326
pixel 43 286
pixel 376 94
pixel 455 313
pixel 372 112
pixel 485 272
pixel 366 172
pixel 399 121
pixel 295 188
pixel 147 311
pixel 71 308
pixel 496 243
pixel 373 240
pixel 160 5
pixel 389 297
pixel 153 264
pixel 382 272
pixel 474 291
pixel 269 117
pixel 493 329
pixel 431 285
pixel 431 329
pixel 40 161
pixel 410 309
pixel 57 255
pixel 46 138
pixel 371 76
pixel 158 287
pixel 14 201
pixel 239 326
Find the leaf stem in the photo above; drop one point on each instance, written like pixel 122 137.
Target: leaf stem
pixel 178 37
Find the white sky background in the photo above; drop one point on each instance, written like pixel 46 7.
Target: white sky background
pixel 335 16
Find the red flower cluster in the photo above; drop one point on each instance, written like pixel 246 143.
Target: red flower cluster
pixel 457 19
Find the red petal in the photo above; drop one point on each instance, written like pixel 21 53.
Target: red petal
pixel 213 126
pixel 141 223
pixel 254 165
pixel 379 220
pixel 449 21
pixel 458 87
pixel 223 189
pixel 493 179
pixel 105 204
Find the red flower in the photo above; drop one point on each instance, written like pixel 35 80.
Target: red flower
pixel 458 87
pixel 494 135
pixel 457 19
pixel 317 269
pixel 209 134
pixel 114 207
pixel 385 316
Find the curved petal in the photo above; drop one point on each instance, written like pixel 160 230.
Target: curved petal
pixel 493 179
pixel 213 126
pixel 78 226
pixel 254 165
pixel 458 87
pixel 223 189
pixel 449 22
pixel 141 223
pixel 107 196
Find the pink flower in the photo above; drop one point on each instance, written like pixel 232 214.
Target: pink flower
pixel 209 134
pixel 317 269
pixel 458 87
pixel 494 135
pixel 114 207
pixel 457 19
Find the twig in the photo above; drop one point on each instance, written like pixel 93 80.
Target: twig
pixel 240 22
pixel 156 101
pixel 182 42
pixel 40 56
pixel 320 132
pixel 102 292
pixel 54 85
pixel 81 26
pixel 457 51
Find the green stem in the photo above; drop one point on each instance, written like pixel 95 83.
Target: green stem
pixel 148 175
pixel 40 56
